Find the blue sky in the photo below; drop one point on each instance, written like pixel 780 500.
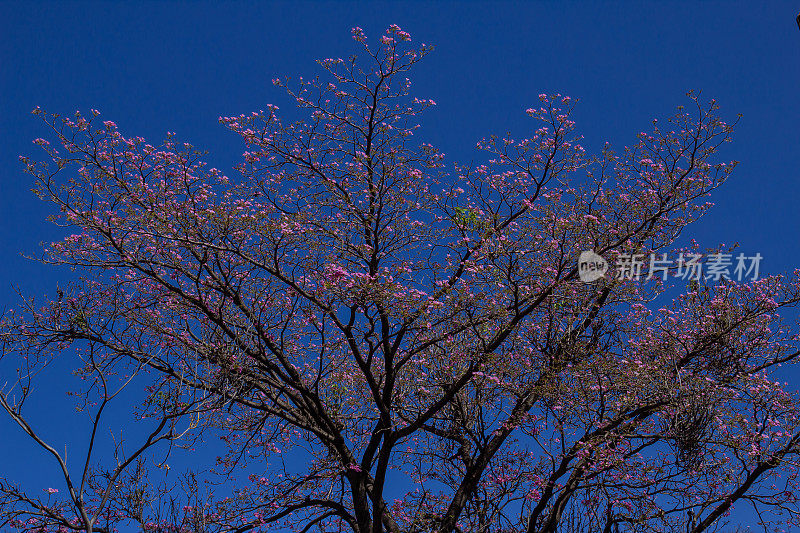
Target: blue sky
pixel 154 67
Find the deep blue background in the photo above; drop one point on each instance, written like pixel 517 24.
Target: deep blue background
pixel 157 67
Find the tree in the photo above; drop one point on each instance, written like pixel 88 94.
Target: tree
pixel 416 341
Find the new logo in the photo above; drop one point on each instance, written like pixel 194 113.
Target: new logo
pixel 591 266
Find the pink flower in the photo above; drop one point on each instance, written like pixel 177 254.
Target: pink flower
pixel 51 490
pixel 358 34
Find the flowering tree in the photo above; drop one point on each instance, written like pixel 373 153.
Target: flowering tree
pixel 383 346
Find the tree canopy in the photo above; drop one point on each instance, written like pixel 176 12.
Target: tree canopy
pixel 389 343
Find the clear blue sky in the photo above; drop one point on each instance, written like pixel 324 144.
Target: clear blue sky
pixel 154 67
